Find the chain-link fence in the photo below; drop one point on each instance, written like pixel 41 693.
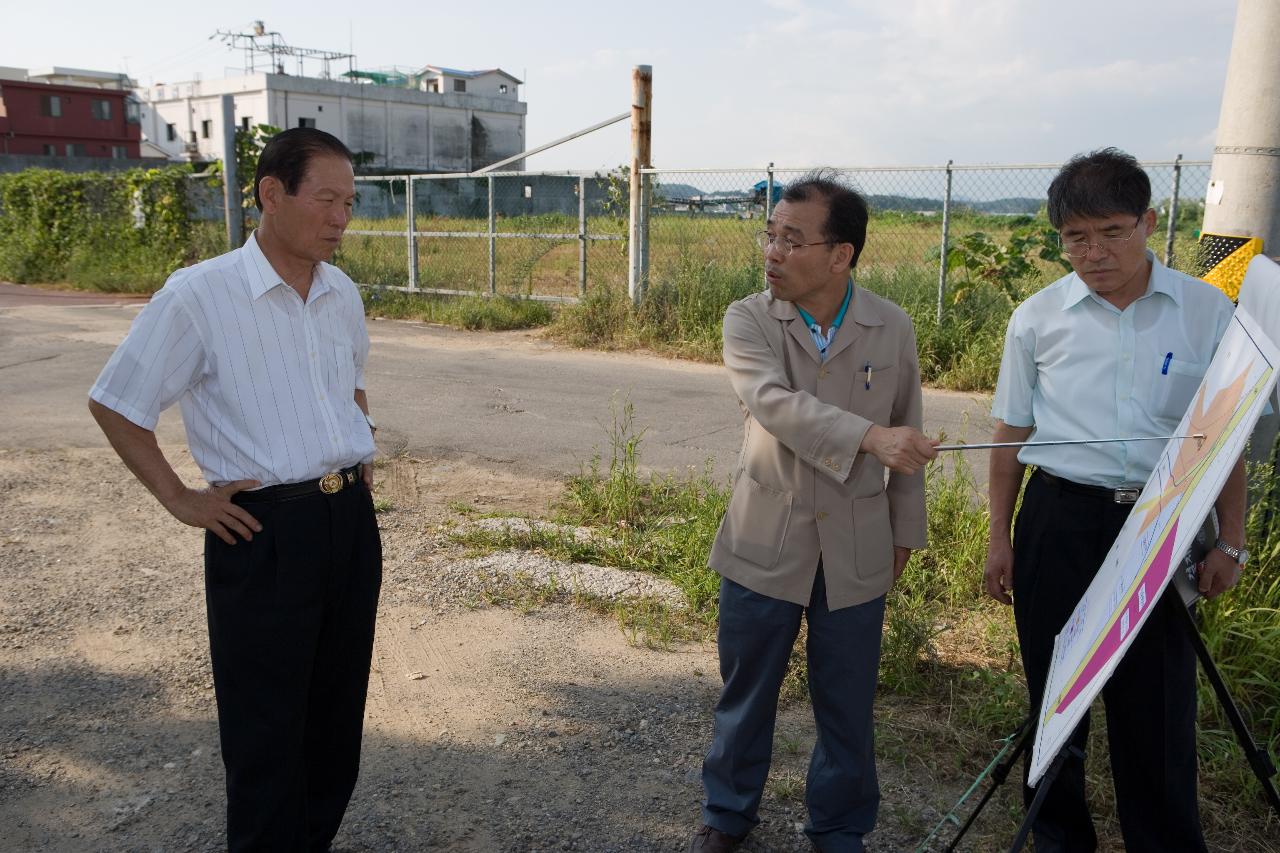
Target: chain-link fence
pixel 556 235
pixel 537 235
pixel 701 219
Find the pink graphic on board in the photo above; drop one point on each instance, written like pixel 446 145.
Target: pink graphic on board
pixel 1126 620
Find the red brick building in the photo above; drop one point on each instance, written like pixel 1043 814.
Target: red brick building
pixel 63 112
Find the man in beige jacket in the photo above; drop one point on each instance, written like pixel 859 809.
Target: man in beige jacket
pixel 829 384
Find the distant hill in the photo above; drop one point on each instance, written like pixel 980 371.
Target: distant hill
pixel 910 204
pixel 678 190
pixel 1000 206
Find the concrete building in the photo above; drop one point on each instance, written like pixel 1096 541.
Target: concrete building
pixel 68 113
pixel 438 120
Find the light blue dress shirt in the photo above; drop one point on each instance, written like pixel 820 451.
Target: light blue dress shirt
pixel 1075 367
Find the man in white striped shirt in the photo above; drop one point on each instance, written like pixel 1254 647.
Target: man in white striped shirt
pixel 264 349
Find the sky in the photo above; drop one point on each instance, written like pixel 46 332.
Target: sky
pixel 740 83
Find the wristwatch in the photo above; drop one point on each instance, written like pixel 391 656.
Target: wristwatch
pixel 1240 555
pixel 369 420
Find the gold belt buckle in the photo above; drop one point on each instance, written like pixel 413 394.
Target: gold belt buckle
pixel 331 484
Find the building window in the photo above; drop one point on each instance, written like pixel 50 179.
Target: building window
pixel 433 86
pixel 119 152
pixel 206 128
pixel 51 106
pixel 502 88
pixel 459 85
pixel 100 108
pixel 171 133
pixel 193 137
pixel 306 122
pixel 320 108
pixel 245 123
pixel 75 149
pixel 50 150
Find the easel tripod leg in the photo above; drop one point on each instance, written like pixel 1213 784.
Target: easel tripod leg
pixel 1042 791
pixel 1259 760
pixel 998 776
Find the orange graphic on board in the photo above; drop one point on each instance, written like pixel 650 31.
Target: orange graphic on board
pixel 1209 422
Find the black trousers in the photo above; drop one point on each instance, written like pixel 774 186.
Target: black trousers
pixel 291 620
pixel 1061 538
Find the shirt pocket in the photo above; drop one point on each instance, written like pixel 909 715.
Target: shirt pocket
pixel 758 519
pixel 1176 388
pixel 342 375
pixel 872 537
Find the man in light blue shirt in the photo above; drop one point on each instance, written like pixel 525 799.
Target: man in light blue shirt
pixel 1116 348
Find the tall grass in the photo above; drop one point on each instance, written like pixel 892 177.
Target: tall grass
pixel 1241 628
pixel 680 315
pixel 492 314
pixel 950 659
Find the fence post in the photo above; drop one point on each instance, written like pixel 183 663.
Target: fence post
pixel 493 243
pixel 411 220
pixel 768 193
pixel 942 255
pixel 230 179
pixel 641 130
pixel 1172 225
pixel 582 236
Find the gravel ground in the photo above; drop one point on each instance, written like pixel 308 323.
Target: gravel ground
pixel 488 728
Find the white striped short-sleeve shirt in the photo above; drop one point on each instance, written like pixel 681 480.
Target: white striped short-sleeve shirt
pixel 266 384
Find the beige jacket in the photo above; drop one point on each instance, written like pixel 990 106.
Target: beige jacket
pixel 802 489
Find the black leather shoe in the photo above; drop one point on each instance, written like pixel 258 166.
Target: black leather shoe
pixel 708 839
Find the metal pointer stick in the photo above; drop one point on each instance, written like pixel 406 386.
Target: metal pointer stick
pixel 1198 436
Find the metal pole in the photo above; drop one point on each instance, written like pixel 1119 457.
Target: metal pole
pixel 641 129
pixel 230 177
pixel 768 193
pixel 942 254
pixel 493 243
pixel 582 236
pixel 411 220
pixel 1172 228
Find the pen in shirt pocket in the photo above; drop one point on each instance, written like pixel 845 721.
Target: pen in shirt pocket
pixel 1164 371
pixel 868 369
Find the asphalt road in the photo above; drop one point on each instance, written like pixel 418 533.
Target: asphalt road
pixel 493 399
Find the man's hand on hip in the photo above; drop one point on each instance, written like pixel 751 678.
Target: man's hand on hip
pixel 999 572
pixel 902 450
pixel 1218 573
pixel 212 509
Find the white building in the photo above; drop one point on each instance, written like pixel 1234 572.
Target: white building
pixel 441 120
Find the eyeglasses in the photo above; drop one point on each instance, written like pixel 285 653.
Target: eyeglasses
pixel 1080 248
pixel 784 245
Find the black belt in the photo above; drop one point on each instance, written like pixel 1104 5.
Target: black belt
pixel 1122 495
pixel 329 484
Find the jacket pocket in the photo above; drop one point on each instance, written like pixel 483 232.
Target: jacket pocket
pixel 872 537
pixel 758 520
pixel 874 394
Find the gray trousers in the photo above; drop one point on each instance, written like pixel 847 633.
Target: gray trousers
pixel 755 637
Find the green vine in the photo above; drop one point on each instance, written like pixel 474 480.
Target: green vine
pixel 108 230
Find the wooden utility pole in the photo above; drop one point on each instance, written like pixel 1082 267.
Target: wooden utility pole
pixel 641 135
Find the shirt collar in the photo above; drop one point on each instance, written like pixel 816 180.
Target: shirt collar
pixel 263 277
pixel 1160 282
pixel 844 309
